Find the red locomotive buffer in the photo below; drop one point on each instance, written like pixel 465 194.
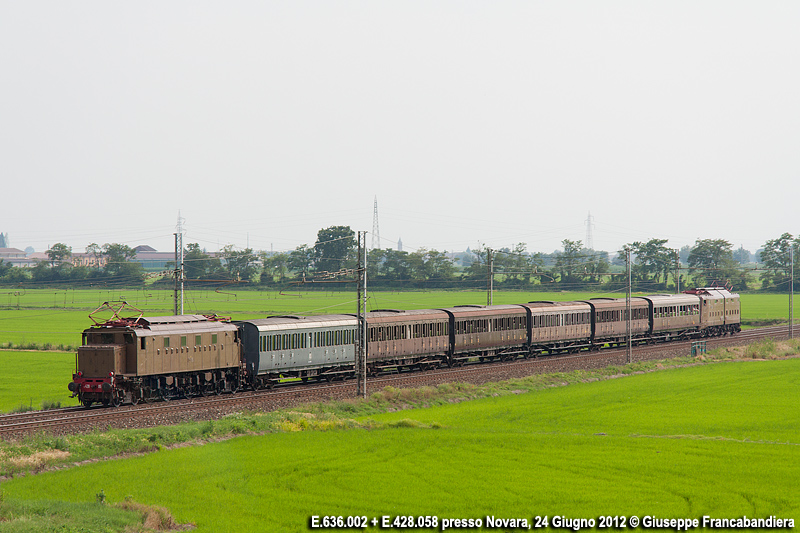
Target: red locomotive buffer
pixel 94 381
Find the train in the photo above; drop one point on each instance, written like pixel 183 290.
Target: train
pixel 134 359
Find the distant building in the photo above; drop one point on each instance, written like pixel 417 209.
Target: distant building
pixel 16 257
pixel 11 253
pixel 151 260
pixel 399 245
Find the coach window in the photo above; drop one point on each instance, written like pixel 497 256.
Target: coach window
pixel 198 340
pixel 183 341
pixel 166 342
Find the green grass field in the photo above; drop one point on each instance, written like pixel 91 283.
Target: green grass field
pixel 55 320
pixel 718 440
pixel 52 319
pixel 35 379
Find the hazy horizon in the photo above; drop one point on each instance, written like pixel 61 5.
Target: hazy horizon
pixel 472 122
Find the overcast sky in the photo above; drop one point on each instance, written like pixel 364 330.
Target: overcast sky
pixel 493 122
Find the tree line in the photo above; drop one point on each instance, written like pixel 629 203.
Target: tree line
pixel 331 260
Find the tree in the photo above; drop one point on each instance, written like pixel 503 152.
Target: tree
pixel 742 256
pixel 684 252
pixel 711 260
pixel 430 265
pixel 58 253
pixel 5 268
pixel 274 265
pixel 240 264
pixel 389 265
pixel 119 263
pixel 514 265
pixel 477 271
pixel 335 249
pixel 596 265
pixel 777 259
pixel 197 264
pixel 95 250
pixel 651 260
pixel 301 259
pixel 570 262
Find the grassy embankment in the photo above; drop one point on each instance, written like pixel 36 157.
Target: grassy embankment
pixel 716 439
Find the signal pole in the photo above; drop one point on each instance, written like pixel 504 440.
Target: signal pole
pixel 179 264
pixel 490 275
pixel 628 331
pixel 361 335
pixel 179 273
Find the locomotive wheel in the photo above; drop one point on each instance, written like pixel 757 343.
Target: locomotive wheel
pixel 116 401
pixel 87 403
pixel 135 398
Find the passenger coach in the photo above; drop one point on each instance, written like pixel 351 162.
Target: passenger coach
pixel 559 326
pixel 398 339
pixel 298 346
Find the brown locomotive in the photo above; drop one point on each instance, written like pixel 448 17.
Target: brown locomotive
pixel 148 358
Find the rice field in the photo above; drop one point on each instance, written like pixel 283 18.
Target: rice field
pixel 47 319
pixel 718 440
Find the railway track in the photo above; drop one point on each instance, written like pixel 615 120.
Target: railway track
pixel 78 419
